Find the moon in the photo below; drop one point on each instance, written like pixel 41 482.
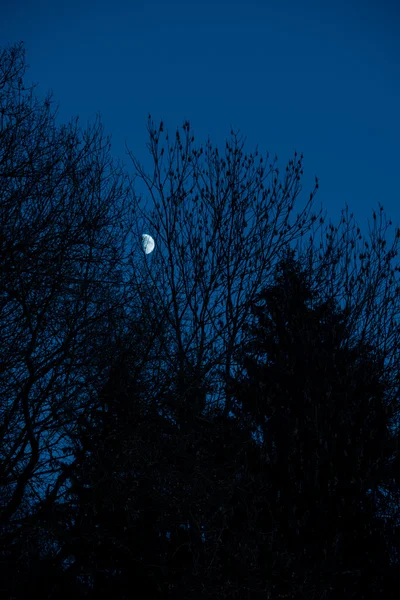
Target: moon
pixel 147 243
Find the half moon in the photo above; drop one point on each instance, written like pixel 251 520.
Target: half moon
pixel 147 243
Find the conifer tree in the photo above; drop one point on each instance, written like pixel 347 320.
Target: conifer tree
pixel 319 403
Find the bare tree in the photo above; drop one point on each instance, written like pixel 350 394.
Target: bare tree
pixel 220 223
pixel 62 227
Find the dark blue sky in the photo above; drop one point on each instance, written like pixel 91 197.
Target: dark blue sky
pixel 317 77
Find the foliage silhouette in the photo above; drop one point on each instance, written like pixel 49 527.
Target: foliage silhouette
pixel 185 426
pixel 320 405
pixel 293 515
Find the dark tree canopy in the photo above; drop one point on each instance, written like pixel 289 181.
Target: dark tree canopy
pixel 217 423
pixel 320 406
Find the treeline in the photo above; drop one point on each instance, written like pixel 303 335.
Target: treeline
pixel 218 419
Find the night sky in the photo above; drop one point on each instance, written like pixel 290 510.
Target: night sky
pixel 317 77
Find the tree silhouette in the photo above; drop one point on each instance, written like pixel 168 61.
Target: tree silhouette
pixel 62 203
pixel 218 420
pixel 319 403
pixel 294 515
pixel 151 499
pixel 219 219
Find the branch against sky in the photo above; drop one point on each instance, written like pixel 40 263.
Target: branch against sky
pixel 362 277
pixel 62 204
pixel 220 222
